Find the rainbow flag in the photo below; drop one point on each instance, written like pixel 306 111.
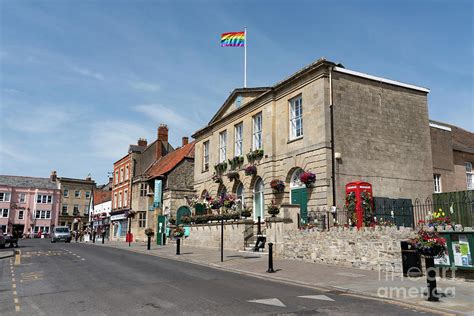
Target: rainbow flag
pixel 234 39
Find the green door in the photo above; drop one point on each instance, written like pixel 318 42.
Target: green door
pixel 300 197
pixel 161 229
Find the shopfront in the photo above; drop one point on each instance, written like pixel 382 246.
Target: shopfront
pixel 119 226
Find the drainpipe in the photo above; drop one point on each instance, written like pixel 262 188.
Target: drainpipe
pixel 333 160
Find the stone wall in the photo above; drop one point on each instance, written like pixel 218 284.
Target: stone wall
pixel 209 235
pixel 369 248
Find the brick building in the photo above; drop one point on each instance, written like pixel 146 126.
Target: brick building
pixel 380 133
pixel 453 157
pixel 76 197
pixel 138 159
pixel 28 204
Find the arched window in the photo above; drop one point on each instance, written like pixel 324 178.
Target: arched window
pixel 258 200
pixel 240 194
pixel 295 179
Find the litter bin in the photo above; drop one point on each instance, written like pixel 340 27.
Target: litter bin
pixel 411 262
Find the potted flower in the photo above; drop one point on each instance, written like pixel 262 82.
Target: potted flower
pixel 277 185
pixel 178 232
pixel 250 170
pixel 235 162
pixel 256 154
pixel 149 232
pixel 273 209
pixel 232 175
pixel 216 178
pixel 215 204
pixel 246 212
pixel 429 244
pixel 308 178
pixel 228 201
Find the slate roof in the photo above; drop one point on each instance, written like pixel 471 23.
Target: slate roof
pixel 171 160
pixel 27 182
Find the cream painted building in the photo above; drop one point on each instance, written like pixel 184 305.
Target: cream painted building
pixel 380 132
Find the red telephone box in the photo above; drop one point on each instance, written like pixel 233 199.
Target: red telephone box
pixel 358 188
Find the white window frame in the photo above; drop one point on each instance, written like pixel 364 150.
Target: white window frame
pixel 222 146
pixel 205 155
pixel 22 213
pixel 257 121
pixel 76 194
pixel 88 194
pixel 116 177
pixel 121 174
pixel 5 196
pixel 2 213
pixel 437 183
pixel 44 199
pixel 115 199
pixel 125 197
pixel 120 199
pixel 469 176
pixel 142 219
pixel 66 193
pixel 296 117
pixel 126 172
pixel 76 209
pixel 62 209
pixel 238 131
pixel 22 197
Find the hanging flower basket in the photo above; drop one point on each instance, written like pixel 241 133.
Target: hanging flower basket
pixel 308 178
pixel 232 175
pixel 429 244
pixel 178 232
pixel 149 232
pixel 251 170
pixel 220 167
pixel 254 155
pixel 277 185
pixel 273 209
pixel 236 162
pixel 246 213
pixel 216 178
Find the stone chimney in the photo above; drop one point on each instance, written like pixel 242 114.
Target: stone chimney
pixel 185 141
pixel 53 177
pixel 162 138
pixel 89 178
pixel 142 142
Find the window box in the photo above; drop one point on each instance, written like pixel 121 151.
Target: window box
pixel 255 155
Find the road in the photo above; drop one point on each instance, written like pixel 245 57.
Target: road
pixel 84 279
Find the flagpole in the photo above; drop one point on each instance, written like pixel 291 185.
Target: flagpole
pixel 245 57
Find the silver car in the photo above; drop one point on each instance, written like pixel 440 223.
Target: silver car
pixel 61 233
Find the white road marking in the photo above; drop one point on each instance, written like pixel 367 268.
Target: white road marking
pixel 269 301
pixel 352 275
pixel 318 297
pixel 15 300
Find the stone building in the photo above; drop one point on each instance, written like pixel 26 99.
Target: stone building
pixel 76 196
pixel 162 187
pixel 133 164
pixel 453 157
pixel 380 134
pixel 29 205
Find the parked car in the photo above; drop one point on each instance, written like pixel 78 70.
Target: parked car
pixel 61 233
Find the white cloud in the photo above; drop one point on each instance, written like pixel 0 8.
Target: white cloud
pixel 38 119
pixel 110 139
pixel 145 86
pixel 162 114
pixel 88 73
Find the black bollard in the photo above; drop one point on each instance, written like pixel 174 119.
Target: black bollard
pixel 222 240
pixel 149 243
pixel 270 258
pixel 431 279
pixel 164 239
pixel 103 238
pixel 178 241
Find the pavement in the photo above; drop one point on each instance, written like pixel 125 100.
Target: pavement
pixel 85 279
pixel 6 253
pixel 458 294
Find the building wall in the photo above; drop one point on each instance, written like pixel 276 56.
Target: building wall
pixel 460 178
pixel 121 184
pixel 282 155
pixel 382 132
pixel 182 176
pixel 85 189
pixel 29 208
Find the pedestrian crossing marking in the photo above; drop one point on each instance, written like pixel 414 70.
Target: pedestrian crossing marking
pixel 269 301
pixel 318 297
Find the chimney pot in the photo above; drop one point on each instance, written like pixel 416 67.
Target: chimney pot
pixel 53 177
pixel 185 141
pixel 142 142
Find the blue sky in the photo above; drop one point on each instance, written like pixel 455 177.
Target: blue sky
pixel 80 80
